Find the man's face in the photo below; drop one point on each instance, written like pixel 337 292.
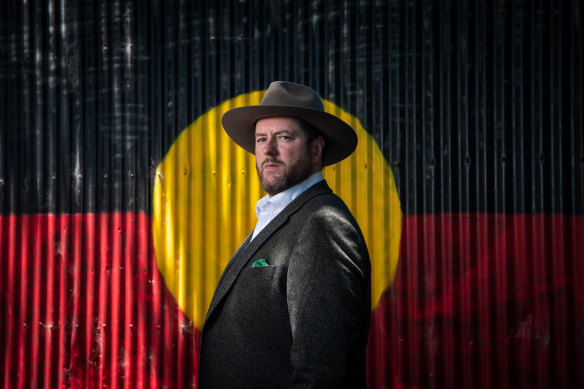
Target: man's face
pixel 284 156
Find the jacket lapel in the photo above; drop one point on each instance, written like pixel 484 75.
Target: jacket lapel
pixel 247 248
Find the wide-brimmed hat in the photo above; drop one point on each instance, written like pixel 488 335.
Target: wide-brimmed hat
pixel 288 99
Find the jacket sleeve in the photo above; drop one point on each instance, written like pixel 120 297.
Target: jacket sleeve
pixel 328 284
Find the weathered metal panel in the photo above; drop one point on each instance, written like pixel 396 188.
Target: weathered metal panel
pixel 121 199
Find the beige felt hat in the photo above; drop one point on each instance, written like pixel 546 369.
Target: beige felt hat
pixel 291 100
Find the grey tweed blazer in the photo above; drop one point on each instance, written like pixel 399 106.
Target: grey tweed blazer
pixel 302 321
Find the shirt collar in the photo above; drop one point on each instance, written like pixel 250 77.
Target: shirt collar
pixel 282 199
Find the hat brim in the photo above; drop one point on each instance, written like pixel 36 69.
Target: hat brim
pixel 340 138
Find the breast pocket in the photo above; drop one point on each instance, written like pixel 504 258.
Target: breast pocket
pixel 265 272
pixel 267 280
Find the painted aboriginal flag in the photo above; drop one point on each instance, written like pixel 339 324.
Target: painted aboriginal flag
pixel 122 199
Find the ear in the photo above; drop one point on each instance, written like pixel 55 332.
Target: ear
pixel 317 146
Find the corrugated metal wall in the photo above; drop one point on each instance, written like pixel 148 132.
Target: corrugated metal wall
pixel 476 107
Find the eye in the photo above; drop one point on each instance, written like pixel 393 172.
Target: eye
pixel 285 138
pixel 260 140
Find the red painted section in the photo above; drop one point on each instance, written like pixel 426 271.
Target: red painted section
pixel 483 301
pixel 479 301
pixel 83 305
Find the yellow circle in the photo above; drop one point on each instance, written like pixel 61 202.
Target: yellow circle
pixel 205 192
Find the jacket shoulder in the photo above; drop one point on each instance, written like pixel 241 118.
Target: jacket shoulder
pixel 326 220
pixel 329 207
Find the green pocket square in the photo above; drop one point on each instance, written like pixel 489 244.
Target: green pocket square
pixel 260 263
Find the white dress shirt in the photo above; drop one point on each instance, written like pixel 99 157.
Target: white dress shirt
pixel 268 207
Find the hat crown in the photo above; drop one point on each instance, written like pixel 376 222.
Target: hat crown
pixel 289 94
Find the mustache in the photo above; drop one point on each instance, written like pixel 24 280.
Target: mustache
pixel 271 160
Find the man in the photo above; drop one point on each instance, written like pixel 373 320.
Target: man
pixel 292 307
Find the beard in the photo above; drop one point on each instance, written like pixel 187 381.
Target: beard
pixel 290 175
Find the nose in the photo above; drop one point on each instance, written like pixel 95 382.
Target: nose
pixel 271 147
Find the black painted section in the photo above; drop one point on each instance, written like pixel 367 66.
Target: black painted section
pixel 478 106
